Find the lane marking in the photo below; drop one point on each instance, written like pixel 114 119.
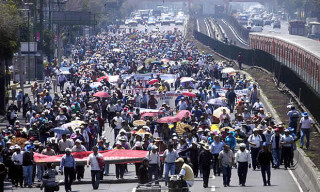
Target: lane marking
pixel 198 26
pixel 207 26
pixel 295 180
pixel 213 188
pixel 234 33
pixel 134 190
pixel 213 177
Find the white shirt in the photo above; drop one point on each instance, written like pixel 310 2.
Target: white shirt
pixel 17 157
pixel 94 162
pixel 154 158
pixel 243 156
pixel 306 123
pixel 118 121
pixel 256 140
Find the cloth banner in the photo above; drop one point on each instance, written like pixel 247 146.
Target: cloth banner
pixel 110 156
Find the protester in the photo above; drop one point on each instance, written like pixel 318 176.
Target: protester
pixel 226 161
pixel 243 158
pixel 304 128
pixel 186 172
pixel 205 160
pixel 94 160
pixel 68 168
pixel 143 173
pixel 265 159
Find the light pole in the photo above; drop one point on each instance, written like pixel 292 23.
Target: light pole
pixel 28 39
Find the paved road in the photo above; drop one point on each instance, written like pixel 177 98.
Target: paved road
pixel 281 179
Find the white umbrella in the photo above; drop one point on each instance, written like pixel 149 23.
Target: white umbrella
pixel 65 72
pixel 218 111
pixel 95 84
pixel 186 79
pixel 228 70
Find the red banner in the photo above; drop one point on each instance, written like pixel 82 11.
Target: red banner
pixel 110 156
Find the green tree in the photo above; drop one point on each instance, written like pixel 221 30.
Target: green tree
pixel 9 42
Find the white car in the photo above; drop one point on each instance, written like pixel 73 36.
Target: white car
pixel 256 28
pixel 179 22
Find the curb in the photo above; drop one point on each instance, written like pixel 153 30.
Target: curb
pixel 307 171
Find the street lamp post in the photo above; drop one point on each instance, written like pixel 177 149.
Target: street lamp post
pixel 29 47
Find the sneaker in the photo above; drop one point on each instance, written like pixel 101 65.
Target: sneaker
pixel 243 185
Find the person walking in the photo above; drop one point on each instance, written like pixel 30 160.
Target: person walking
pixel 216 148
pixel 17 159
pixel 243 158
pixel 69 164
pixel 154 161
pixel 255 142
pixel 205 161
pixel 265 158
pixel 169 156
pixel 28 165
pixel 293 115
pixel 276 141
pixel 304 128
pixel 143 172
pixel 95 160
pixel 240 60
pixel 287 141
pixel 226 161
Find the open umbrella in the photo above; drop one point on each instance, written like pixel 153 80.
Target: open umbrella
pixel 224 129
pixel 217 102
pixel 72 124
pixel 60 130
pixel 156 62
pixel 153 81
pixel 139 123
pixel 148 115
pixel 183 113
pixel 140 68
pixel 218 111
pixel 181 128
pixel 186 79
pixel 95 84
pixel 102 78
pixel 101 94
pixel 188 94
pixel 165 60
pixel 228 70
pixel 185 62
pixel 169 119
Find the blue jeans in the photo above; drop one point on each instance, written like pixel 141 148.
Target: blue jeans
pixel 226 171
pixel 95 178
pixel 169 167
pixel 276 154
pixel 106 169
pixel 27 173
pixel 305 132
pixel 40 171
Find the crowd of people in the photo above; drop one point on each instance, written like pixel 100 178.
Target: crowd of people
pixel 226 126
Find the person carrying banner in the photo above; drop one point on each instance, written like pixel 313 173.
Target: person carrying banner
pixel 69 164
pixel 95 160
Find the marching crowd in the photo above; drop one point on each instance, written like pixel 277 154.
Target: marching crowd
pixel 218 132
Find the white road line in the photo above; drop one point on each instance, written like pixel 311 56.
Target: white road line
pixel 234 33
pixel 213 188
pixel 213 177
pixel 198 26
pixel 295 180
pixel 134 190
pixel 207 26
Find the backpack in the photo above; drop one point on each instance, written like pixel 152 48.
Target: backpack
pixel 295 114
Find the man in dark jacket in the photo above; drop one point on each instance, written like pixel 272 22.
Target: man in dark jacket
pixel 143 173
pixel 205 162
pixel 265 158
pixel 231 96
